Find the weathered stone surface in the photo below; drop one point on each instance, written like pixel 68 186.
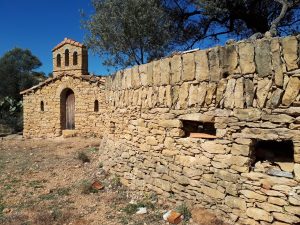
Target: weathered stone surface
pixel 281 118
pixel 253 195
pixel 277 201
pixel 193 95
pixel 243 150
pixel 189 161
pixel 291 91
pixel 188 61
pixel 165 71
pixel 191 172
pixel 239 100
pixel 293 209
pixel 211 89
pixel 228 59
pixel 276 62
pixel 263 58
pixel 214 65
pixel 234 202
pixel 228 96
pixel 286 218
pixel 290 52
pixel 246 53
pixel 151 140
pixel 184 93
pixel 263 88
pixel 259 214
pixel 220 90
pixel 276 97
pixel 213 193
pixel 202 69
pixel 176 69
pixel 156 73
pixel 170 123
pixel 239 160
pixel 202 93
pixel 197 117
pixel 247 114
pixel 162 184
pixel 212 147
pixel 294 199
pixel 269 207
pixel 297 171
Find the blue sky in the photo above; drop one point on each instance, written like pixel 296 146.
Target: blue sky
pixel 39 25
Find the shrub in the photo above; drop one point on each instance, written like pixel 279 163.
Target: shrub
pixel 83 157
pixel 184 210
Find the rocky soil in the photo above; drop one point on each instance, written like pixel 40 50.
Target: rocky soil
pixel 49 182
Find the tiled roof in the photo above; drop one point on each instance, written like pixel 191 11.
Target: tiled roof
pixel 90 78
pixel 68 41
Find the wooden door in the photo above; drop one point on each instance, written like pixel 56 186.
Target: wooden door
pixel 70 110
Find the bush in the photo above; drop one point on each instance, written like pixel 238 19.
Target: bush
pixel 11 113
pixel 184 210
pixel 83 157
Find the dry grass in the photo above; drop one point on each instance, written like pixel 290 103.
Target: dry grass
pixel 42 182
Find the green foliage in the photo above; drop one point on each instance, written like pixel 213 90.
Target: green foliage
pixel 137 31
pixel 86 187
pixel 63 191
pixel 17 72
pixel 115 183
pixel 128 32
pixel 82 156
pixel 184 210
pixel 11 113
pixel 131 209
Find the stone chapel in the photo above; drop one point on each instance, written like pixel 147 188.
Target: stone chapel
pixel 69 101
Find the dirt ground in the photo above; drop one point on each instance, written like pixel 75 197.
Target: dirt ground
pixel 48 182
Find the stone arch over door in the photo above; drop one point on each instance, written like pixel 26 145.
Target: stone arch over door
pixel 67 109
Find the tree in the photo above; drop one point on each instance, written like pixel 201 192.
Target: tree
pixel 136 31
pixel 128 32
pixel 17 72
pixel 202 19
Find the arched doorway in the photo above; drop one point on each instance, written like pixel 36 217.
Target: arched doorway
pixel 67 102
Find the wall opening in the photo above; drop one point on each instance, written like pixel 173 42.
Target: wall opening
pixel 272 151
pixel 67 109
pixel 42 106
pixel 199 129
pixel 67 61
pixel 96 106
pixel 58 60
pixel 75 58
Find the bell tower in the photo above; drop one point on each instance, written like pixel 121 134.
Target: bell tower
pixel 70 57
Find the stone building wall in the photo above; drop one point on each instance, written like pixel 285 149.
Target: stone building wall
pixel 249 92
pixel 47 123
pixel 81 64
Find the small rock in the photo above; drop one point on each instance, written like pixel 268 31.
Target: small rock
pixel 141 210
pixel 172 217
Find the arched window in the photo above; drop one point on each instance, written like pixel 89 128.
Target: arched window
pixel 96 106
pixel 58 60
pixel 42 106
pixel 75 58
pixel 67 57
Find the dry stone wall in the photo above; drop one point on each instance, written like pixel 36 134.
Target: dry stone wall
pixel 249 91
pixel 47 123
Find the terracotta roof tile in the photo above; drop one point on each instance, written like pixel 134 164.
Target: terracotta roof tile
pixel 68 41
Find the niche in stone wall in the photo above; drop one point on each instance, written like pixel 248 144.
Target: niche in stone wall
pixel 273 157
pixel 199 129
